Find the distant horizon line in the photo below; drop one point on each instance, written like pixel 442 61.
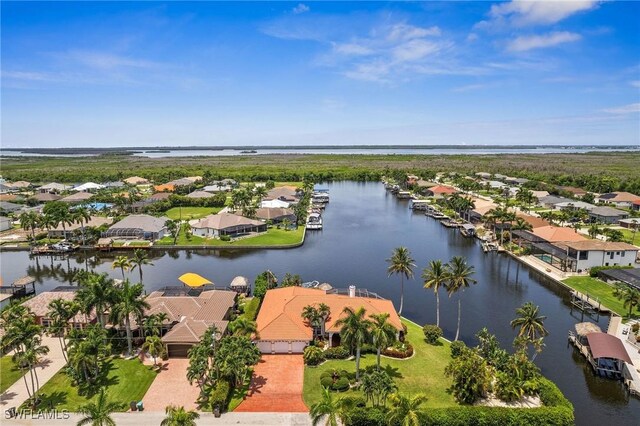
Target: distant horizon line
pixel 308 147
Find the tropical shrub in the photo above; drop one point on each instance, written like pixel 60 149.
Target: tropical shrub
pixel 366 416
pixel 313 355
pixel 219 396
pixel 368 348
pixel 457 348
pixel 225 238
pixel 399 350
pixel 432 333
pixel 335 380
pixel 471 377
pixel 338 352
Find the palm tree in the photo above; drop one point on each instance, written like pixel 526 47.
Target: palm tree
pixel 401 263
pixel 29 355
pixel 435 277
pixel 521 225
pixel 405 410
pixel 382 332
pixel 178 416
pixel 98 294
pixel 531 324
pixel 82 216
pixel 324 312
pixel 60 312
pixel 123 263
pixel 594 230
pixel 64 217
pixel 139 258
pixel 311 314
pixel 459 278
pixel 630 297
pixel 98 413
pixel 355 331
pixel 154 346
pixel 29 221
pixel 243 327
pixel 328 408
pixel 129 302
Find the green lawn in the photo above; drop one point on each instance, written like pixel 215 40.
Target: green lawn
pixel 237 395
pixel 273 237
pixel 424 372
pixel 125 381
pixel 189 213
pixel 600 290
pixel 9 373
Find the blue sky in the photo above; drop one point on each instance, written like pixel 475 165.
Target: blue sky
pixel 312 73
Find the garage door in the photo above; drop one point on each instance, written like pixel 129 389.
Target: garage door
pixel 298 347
pixel 281 347
pixel 178 351
pixel 264 346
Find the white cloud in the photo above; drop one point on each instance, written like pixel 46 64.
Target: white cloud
pixel 524 43
pixel 522 13
pixel 624 109
pixel 352 49
pixel 407 32
pixel 469 88
pixel 635 83
pixel 416 49
pixel 105 60
pixel 301 8
pixel 29 76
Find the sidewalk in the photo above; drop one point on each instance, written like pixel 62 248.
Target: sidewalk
pixel 48 367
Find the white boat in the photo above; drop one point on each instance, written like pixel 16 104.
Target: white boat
pixel 314 221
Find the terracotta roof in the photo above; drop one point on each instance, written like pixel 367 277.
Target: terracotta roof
pixel 167 187
pixel 535 222
pixel 78 196
pixel 46 196
pixel 603 345
pixel 279 317
pixel 620 197
pixel 39 305
pixel 599 245
pixel 136 180
pixel 8 197
pixel 191 331
pixel 159 196
pixel 557 233
pixel 225 220
pixel 441 189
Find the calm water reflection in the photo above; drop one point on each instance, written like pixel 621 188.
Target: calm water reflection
pixel 362 226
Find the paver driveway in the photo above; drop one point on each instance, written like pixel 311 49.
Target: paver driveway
pixel 276 385
pixel 171 387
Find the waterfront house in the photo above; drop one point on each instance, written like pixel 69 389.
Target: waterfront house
pixel 283 193
pixel 138 226
pixel 618 199
pixel 593 253
pixel 217 225
pixel 136 180
pixel 77 198
pixel 439 191
pixel 481 207
pixel 605 214
pixel 54 187
pixel 189 314
pixel 94 222
pixel 276 214
pixel 5 223
pixel 630 277
pixel 574 205
pixel 552 234
pixel 45 197
pixel 281 328
pixel 88 187
pixel 274 204
pixel 39 306
pixel 540 194
pixel 181 182
pixel 636 206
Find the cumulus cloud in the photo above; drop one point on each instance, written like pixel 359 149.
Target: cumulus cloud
pixel 524 43
pixel 522 13
pixel 301 8
pixel 624 109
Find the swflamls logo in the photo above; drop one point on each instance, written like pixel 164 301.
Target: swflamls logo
pixel 29 414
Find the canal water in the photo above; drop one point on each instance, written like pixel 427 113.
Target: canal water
pixel 363 223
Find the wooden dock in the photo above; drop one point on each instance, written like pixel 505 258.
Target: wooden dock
pixel 586 303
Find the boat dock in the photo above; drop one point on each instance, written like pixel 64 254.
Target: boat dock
pixel 586 303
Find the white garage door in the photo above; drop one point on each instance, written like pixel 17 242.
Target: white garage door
pixel 281 347
pixel 265 347
pixel 298 347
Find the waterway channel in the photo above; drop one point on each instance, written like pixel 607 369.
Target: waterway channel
pixel 362 225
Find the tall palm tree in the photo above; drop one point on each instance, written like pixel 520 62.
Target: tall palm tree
pixel 129 302
pixel 29 356
pixel 630 297
pixel 531 324
pixel 98 294
pixel 521 225
pixel 324 312
pixel 64 217
pixel 98 413
pixel 29 221
pixel 459 278
pixel 401 263
pixel 405 410
pixel 122 262
pixel 382 333
pixel 155 347
pixel 328 409
pixel 60 312
pixel 178 416
pixel 140 258
pixel 82 216
pixel 436 277
pixel 311 314
pixel 243 327
pixel 355 331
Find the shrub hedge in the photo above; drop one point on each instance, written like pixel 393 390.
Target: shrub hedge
pixel 220 395
pixel 338 352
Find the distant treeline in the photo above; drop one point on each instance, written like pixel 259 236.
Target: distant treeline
pixel 597 171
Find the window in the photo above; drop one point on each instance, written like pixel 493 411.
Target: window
pixel 584 255
pixel 606 264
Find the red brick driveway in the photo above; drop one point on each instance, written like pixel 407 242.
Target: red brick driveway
pixel 276 385
pixel 171 387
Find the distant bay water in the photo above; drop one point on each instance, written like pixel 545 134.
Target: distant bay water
pixel 387 150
